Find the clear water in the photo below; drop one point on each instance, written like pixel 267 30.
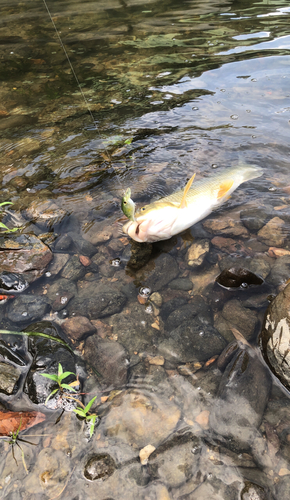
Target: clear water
pixel 174 88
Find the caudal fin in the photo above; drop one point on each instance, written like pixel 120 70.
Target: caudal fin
pixel 249 172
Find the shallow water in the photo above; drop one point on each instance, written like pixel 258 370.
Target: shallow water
pixel 174 88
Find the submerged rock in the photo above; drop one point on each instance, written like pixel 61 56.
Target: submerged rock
pixel 99 467
pixel 159 273
pixel 275 336
pixel 242 398
pixel 12 283
pixel 9 376
pixel 110 359
pixel 27 308
pixel 238 278
pixel 197 253
pixel 96 301
pixel 274 233
pixel 24 253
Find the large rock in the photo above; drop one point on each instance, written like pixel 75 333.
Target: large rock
pixel 275 336
pixel 27 308
pixel 24 253
pixel 110 359
pixel 274 233
pixel 159 273
pixel 96 301
pixel 242 398
pixel 140 419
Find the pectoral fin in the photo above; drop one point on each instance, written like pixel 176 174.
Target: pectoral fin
pixel 183 203
pixel 224 188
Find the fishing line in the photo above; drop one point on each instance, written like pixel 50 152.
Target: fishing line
pixel 74 73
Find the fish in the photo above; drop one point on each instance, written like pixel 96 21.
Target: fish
pixel 177 212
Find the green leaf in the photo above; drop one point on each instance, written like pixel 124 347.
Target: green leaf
pixel 6 203
pixel 80 412
pixel 128 141
pixel 92 426
pixel 49 396
pixel 60 370
pixel 51 376
pixel 36 334
pixel 3 225
pixel 87 408
pixel 65 374
pixel 66 386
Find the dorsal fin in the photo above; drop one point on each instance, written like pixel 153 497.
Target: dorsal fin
pixel 224 188
pixel 183 203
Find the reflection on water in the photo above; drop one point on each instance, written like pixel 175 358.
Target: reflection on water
pixel 174 88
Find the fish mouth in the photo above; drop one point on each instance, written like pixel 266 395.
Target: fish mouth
pixel 132 228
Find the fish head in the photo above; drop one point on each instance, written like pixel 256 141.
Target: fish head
pixel 152 222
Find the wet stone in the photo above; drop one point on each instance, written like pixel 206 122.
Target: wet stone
pixel 138 419
pixel 59 261
pixel 252 491
pixel 228 225
pixel 63 243
pixel 9 376
pixel 83 246
pixel 254 218
pixel 110 359
pixel 138 254
pixel 235 315
pixel 73 270
pixel 242 398
pixel 47 354
pixel 192 341
pixel 197 253
pixel 60 292
pixel 97 301
pixel 275 336
pixel 23 253
pixel 78 327
pixel 12 283
pixel 280 271
pixel 274 233
pixel 172 305
pixel 197 306
pixel 46 214
pixel 99 466
pixel 181 284
pixel 258 265
pixel 27 308
pixel 238 278
pixel 165 270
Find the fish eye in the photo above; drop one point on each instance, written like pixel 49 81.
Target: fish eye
pixel 125 203
pixel 143 208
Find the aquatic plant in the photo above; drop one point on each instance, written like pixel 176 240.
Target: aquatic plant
pixel 14 440
pixel 84 413
pixel 61 375
pixel 3 226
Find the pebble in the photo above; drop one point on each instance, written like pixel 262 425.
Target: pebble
pixel 274 233
pixel 197 253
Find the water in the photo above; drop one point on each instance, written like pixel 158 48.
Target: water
pixel 174 88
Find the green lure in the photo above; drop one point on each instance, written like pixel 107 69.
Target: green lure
pixel 128 205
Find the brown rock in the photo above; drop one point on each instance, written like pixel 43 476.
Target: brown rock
pixel 197 253
pixel 277 252
pixel 274 233
pixel 229 225
pixel 84 260
pixel 59 261
pixel 23 253
pixel 103 330
pixel 78 327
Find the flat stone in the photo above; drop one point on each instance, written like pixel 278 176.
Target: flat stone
pixel 45 214
pixel 73 270
pixel 181 284
pixel 138 419
pixel 78 327
pixel 110 359
pixel 197 252
pixel 159 273
pixel 254 218
pixel 280 271
pixel 274 233
pixel 97 300
pixel 228 225
pixel 59 261
pixel 235 315
pixel 9 376
pixel 27 308
pixel 275 336
pixel 24 254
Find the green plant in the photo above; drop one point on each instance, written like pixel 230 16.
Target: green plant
pixel 14 440
pixel 3 226
pixel 84 413
pixel 61 375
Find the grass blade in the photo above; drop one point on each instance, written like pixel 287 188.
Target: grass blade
pixel 37 334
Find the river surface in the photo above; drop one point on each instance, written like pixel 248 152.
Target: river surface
pixel 143 95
